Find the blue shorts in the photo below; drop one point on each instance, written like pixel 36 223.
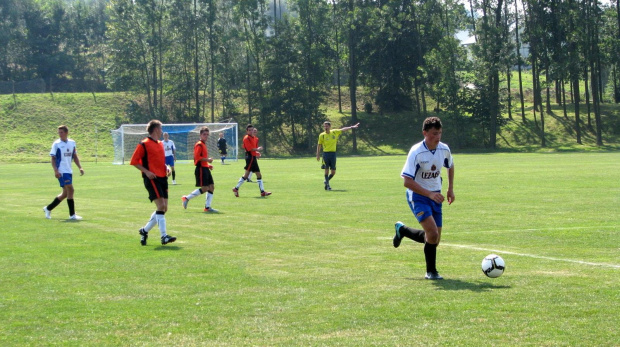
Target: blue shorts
pixel 170 160
pixel 66 179
pixel 423 207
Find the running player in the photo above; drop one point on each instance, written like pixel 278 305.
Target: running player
pixel 328 141
pixel 150 159
pixel 62 153
pixel 422 178
pixel 171 155
pixel 250 144
pixel 204 179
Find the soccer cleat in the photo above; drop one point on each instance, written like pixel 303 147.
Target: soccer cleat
pixel 329 187
pixel 48 213
pixel 211 210
pixel 143 236
pixel 433 276
pixel 167 239
pixel 185 201
pixel 326 184
pixel 236 191
pixel 397 237
pixel 263 194
pixel 174 182
pixel 75 217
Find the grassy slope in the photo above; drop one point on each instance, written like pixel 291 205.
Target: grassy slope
pixel 29 126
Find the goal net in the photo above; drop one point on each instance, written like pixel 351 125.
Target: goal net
pixel 127 137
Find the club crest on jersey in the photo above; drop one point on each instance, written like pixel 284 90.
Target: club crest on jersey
pixel 433 168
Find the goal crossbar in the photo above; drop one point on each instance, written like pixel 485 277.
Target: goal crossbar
pixel 184 135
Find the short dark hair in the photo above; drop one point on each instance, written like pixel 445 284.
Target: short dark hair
pixel 327 122
pixel 152 126
pixel 204 129
pixel 248 127
pixel 63 128
pixel 430 123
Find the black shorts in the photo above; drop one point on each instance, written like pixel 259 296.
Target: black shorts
pixel 251 163
pixel 223 152
pixel 330 160
pixel 203 176
pixel 157 188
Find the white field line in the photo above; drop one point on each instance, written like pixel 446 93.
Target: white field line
pixel 533 256
pixel 541 229
pixel 615 266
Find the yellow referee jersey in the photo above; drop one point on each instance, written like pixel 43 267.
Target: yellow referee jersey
pixel 329 141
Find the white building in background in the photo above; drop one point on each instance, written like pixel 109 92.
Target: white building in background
pixel 466 39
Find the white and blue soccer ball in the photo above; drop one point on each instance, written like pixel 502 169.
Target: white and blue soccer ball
pixel 493 265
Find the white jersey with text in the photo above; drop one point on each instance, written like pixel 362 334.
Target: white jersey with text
pixel 424 165
pixel 169 148
pixel 64 153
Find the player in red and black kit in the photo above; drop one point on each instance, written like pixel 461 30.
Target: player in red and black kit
pixel 149 157
pixel 204 179
pixel 250 144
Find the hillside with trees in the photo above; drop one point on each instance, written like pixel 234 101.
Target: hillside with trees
pixel 286 65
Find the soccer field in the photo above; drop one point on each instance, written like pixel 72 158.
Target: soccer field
pixel 309 267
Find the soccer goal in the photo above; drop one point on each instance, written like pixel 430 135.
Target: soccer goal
pixel 127 137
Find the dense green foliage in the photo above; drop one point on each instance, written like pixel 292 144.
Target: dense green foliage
pixel 307 267
pixel 275 63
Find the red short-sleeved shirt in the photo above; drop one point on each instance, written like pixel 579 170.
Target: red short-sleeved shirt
pixel 250 142
pixel 201 151
pixel 150 154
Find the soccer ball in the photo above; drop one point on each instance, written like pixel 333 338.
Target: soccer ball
pixel 493 265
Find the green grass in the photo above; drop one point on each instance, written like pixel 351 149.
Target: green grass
pixel 306 267
pixel 30 121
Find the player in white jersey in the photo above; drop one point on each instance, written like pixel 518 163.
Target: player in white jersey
pixel 63 153
pixel 171 155
pixel 422 178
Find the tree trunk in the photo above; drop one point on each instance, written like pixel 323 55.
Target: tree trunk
pixel 519 62
pixel 353 73
pixel 576 97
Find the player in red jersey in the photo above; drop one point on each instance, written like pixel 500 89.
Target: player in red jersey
pixel 204 179
pixel 250 144
pixel 150 159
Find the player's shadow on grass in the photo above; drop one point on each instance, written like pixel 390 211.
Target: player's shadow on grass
pixel 452 284
pixel 338 190
pixel 167 248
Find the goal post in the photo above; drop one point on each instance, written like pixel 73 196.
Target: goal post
pixel 127 137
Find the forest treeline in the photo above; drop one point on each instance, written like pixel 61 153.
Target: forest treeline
pixel 274 62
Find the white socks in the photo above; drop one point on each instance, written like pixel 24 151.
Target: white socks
pixel 151 223
pixel 209 199
pixel 161 223
pixel 193 194
pixel 241 180
pixel 260 185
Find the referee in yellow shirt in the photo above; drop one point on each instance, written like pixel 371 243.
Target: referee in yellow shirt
pixel 328 141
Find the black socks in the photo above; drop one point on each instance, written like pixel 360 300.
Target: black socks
pixel 430 254
pixel 416 235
